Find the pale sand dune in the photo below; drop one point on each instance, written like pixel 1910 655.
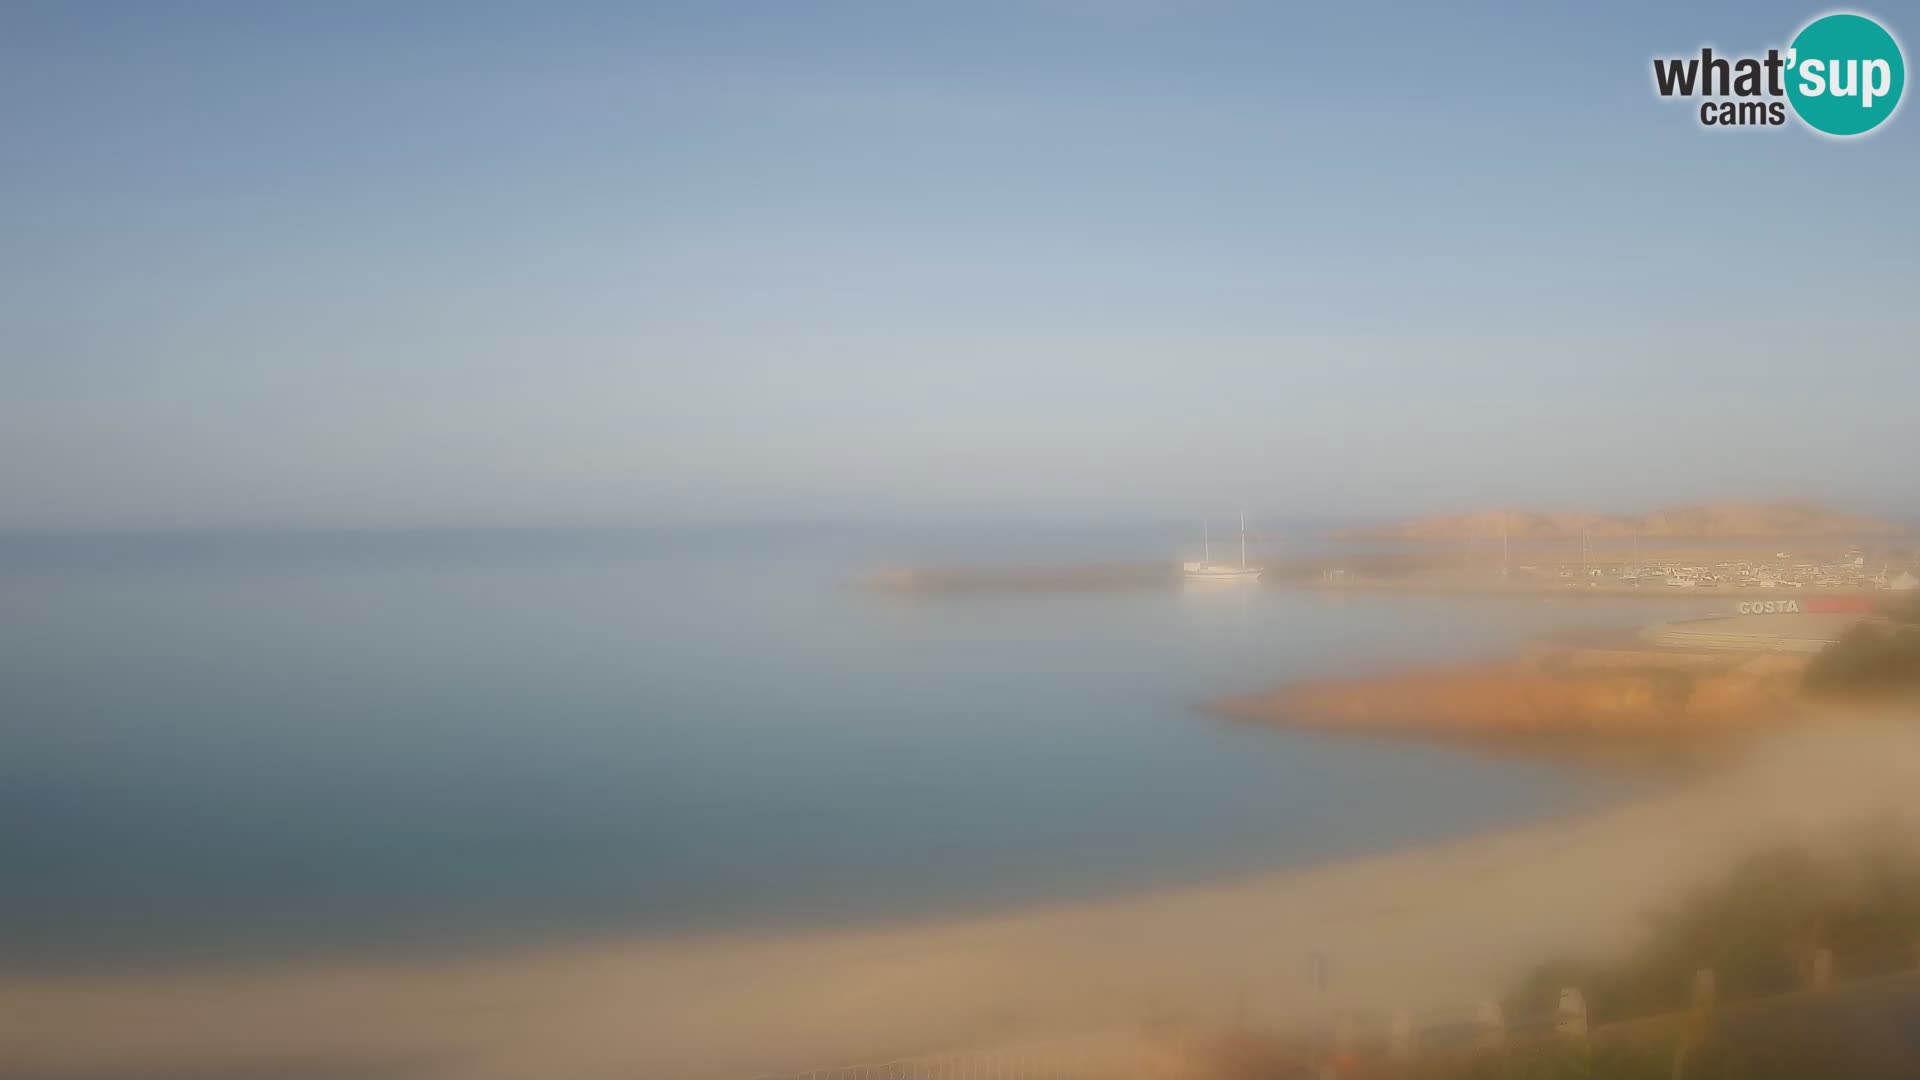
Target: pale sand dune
pixel 1427 929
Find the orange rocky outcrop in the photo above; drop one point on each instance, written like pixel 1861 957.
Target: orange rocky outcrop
pixel 1537 698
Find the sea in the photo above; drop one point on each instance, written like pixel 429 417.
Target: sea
pixel 222 745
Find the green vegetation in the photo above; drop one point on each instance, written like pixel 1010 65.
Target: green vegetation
pixel 1802 1049
pixel 1868 659
pixel 1758 930
pixel 1902 608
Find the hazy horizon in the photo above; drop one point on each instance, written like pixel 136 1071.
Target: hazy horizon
pixel 1893 509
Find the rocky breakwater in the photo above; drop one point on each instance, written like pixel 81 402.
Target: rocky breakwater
pixel 1545 695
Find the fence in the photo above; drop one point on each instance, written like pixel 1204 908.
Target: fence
pixel 1824 1013
pixel 966 1066
pixel 1399 1038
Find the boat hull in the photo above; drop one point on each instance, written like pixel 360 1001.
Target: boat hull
pixel 1221 575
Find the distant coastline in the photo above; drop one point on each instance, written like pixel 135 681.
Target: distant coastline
pixel 1787 519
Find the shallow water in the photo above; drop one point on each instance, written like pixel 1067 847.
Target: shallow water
pixel 246 742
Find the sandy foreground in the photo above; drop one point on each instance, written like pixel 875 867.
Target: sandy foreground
pixel 1430 930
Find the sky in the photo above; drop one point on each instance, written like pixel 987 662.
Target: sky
pixel 375 265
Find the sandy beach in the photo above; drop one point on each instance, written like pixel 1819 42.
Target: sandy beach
pixel 1431 930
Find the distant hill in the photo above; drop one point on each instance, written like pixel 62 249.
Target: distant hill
pixel 1709 520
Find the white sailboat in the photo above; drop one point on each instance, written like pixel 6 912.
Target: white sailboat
pixel 1209 571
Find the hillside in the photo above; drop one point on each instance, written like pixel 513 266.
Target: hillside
pixel 1710 520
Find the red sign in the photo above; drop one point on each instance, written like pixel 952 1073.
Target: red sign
pixel 1831 604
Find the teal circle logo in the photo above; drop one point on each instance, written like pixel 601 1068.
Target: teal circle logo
pixel 1845 74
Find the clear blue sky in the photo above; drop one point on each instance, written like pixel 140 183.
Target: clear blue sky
pixel 402 264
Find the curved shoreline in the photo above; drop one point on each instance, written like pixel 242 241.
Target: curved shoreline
pixel 1432 927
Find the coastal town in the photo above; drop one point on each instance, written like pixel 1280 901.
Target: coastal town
pixel 1852 568
pixel 1728 546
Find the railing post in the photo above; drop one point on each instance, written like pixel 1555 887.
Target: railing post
pixel 1402 1041
pixel 1704 987
pixel 1492 1021
pixel 1571 1020
pixel 1821 977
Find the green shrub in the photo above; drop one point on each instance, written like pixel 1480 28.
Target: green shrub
pixel 1868 658
pixel 1758 929
pixel 1902 607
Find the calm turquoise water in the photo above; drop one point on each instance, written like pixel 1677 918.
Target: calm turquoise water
pixel 218 743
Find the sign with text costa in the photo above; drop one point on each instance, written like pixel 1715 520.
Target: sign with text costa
pixel 1815 604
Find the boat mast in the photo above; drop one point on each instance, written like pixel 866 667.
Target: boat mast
pixel 1243 539
pixel 1206 541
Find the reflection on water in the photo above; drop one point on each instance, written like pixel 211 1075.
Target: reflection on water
pixel 299 741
